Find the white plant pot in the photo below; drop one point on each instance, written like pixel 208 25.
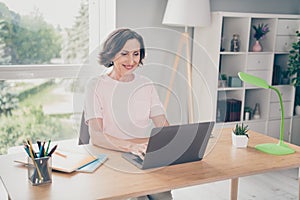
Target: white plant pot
pixel 297 110
pixel 240 141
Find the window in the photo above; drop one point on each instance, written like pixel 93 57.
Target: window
pixel 47 52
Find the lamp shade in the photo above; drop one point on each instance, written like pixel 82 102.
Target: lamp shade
pixel 253 80
pixel 186 13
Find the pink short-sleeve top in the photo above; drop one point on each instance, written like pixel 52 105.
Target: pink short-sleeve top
pixel 125 107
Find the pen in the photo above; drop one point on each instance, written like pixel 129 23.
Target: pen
pixel 39 144
pixel 48 147
pixel 52 150
pixel 41 152
pixel 60 154
pixel 43 149
pixel 30 147
pixel 32 157
pixel 26 149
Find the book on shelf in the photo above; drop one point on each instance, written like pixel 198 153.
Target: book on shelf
pixel 276 75
pixel 229 110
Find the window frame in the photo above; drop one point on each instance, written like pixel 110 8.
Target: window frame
pixel 102 20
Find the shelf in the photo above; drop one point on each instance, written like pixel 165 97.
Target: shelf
pixel 260 53
pixel 230 88
pixel 220 123
pixel 252 88
pixel 279 118
pixel 232 53
pixel 255 120
pixel 283 53
pixel 267 65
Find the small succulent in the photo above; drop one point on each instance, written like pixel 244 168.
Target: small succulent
pixel 241 130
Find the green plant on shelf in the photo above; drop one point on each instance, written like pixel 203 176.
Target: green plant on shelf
pixel 248 109
pixel 260 31
pixel 294 61
pixel 294 67
pixel 223 77
pixel 241 129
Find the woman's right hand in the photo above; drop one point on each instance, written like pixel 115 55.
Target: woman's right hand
pixel 138 149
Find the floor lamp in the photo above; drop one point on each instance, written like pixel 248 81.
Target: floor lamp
pixel 191 13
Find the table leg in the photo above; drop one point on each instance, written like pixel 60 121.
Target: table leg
pixel 234 188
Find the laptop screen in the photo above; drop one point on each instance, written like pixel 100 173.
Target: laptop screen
pixel 177 144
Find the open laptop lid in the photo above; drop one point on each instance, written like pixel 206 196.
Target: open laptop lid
pixel 177 144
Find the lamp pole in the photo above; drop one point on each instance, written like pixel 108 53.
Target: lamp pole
pixel 282 115
pixel 192 13
pixel 184 42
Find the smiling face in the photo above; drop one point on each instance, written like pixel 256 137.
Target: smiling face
pixel 127 60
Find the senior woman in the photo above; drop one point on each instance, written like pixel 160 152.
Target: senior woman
pixel 119 106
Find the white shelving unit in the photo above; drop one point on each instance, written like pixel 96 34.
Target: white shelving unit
pixel 212 57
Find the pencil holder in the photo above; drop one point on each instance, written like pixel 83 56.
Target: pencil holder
pixel 40 170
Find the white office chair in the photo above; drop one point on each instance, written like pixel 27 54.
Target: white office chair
pixel 84 136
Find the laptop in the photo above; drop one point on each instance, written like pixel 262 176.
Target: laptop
pixel 173 145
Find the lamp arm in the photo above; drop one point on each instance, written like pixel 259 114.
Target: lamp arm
pixel 282 114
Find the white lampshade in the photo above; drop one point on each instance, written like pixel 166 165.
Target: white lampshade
pixel 188 13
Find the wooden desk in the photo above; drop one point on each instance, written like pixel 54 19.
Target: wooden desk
pixel 118 179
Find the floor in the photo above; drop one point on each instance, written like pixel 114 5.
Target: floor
pixel 281 185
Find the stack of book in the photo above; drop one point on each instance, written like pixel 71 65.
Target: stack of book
pixel 229 110
pixel 276 75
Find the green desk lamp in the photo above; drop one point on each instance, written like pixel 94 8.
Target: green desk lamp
pixel 270 148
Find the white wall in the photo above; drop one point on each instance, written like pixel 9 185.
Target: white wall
pixel 161 43
pixel 145 16
pixel 257 6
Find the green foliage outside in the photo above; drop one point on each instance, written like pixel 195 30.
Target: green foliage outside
pixel 28 39
pixel 5 58
pixel 31 123
pixel 76 47
pixel 34 90
pixel 35 41
pixel 8 99
pixel 29 120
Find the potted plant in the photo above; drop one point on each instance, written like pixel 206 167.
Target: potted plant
pixel 223 80
pixel 260 31
pixel 239 135
pixel 294 69
pixel 247 113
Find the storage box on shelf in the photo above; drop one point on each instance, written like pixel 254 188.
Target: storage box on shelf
pixel 286 30
pixel 269 64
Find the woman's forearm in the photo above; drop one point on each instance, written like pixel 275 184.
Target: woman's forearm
pixel 107 141
pixel 101 139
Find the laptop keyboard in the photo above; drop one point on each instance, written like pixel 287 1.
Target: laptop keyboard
pixel 138 160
